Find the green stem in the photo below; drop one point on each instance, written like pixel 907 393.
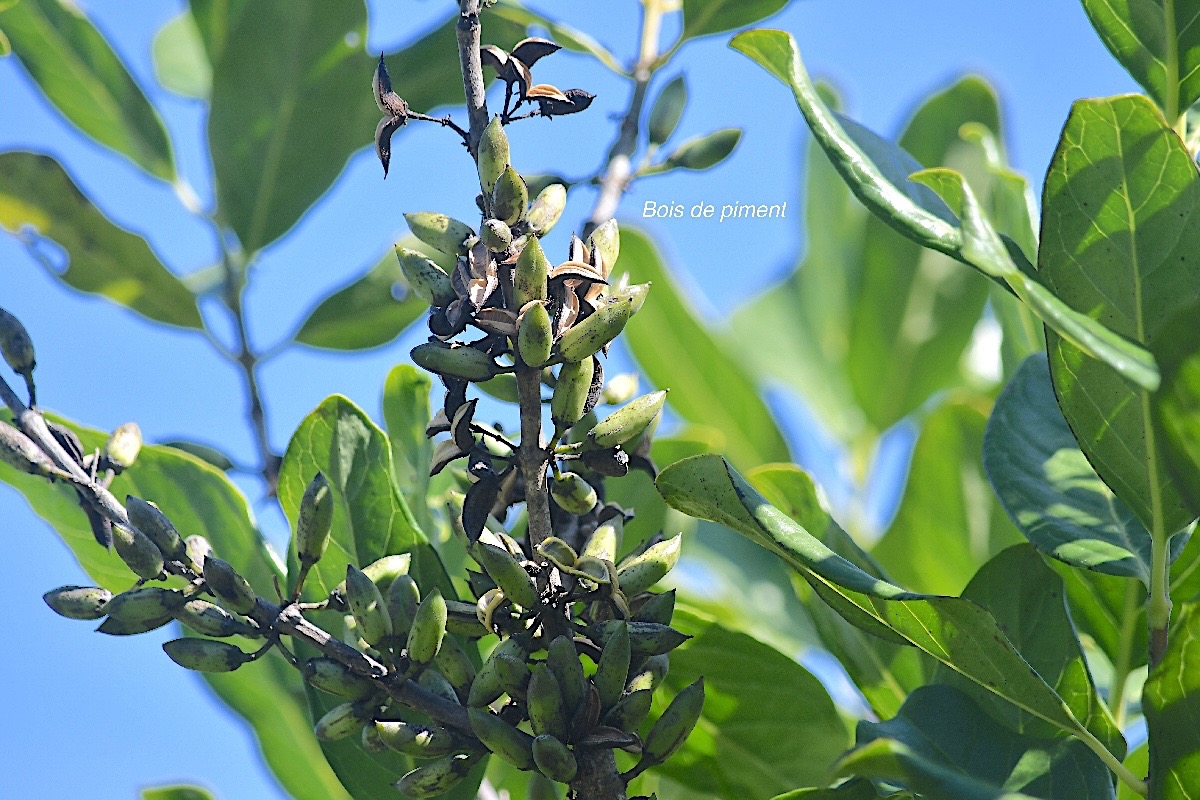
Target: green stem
pixel 1113 763
pixel 1158 607
pixel 1124 661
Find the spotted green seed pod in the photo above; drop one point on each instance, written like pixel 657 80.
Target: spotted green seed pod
pixel 230 588
pixel 630 711
pixel 205 655
pixel 342 721
pixel 423 741
pixel 426 278
pixel 605 324
pixel 671 730
pixel 572 493
pixel 512 744
pixel 554 759
pixel 137 551
pixel 441 232
pixel 402 599
pixel 547 208
pixel 453 663
pixel 571 391
pixel 507 572
pixel 428 628
pixel 383 571
pixel 367 606
pixel 486 687
pixel 531 274
pixel 510 197
pixel 612 671
pixel 123 446
pixel 513 672
pixel 314 520
pixel 535 336
pixel 140 610
pixel 494 154
pixel 605 541
pixel 563 661
pixel 433 681
pixel 461 620
pixel 15 345
pixel 336 678
pixel 645 638
pixel 78 602
pixel 148 519
pixel 437 777
pixel 544 701
pixel 639 573
pixel 605 242
pixel 626 422
pixel 209 619
pixel 456 361
pixel 496 235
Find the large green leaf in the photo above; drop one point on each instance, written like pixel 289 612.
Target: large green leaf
pixel 876 172
pixel 39 200
pixel 406 413
pixel 957 632
pixel 200 500
pixel 180 61
pixel 677 352
pixel 767 726
pixel 948 523
pixel 702 17
pixel 368 312
pixel 1120 219
pixel 1178 411
pixel 85 80
pixel 947 748
pixel 1171 703
pixel 1158 41
pixel 1048 487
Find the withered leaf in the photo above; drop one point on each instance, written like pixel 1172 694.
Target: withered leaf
pixel 530 51
pixel 576 100
pixel 544 91
pixel 460 426
pixel 478 505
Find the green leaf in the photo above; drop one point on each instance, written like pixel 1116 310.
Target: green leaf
pixel 86 81
pixel 1171 703
pixel 199 499
pixel 406 413
pixel 675 349
pixel 1121 209
pixel 1177 409
pixel 956 632
pixel 1158 42
pixel 933 747
pixel 180 61
pixel 703 17
pixel 768 725
pixel 38 200
pixel 203 452
pixel 214 20
pixel 177 793
pixel 948 523
pixel 874 170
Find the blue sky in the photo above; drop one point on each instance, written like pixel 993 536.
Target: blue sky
pixel 114 714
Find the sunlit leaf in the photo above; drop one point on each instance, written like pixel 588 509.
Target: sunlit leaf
pixel 1171 703
pixel 180 61
pixel 702 17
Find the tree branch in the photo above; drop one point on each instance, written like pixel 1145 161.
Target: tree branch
pixel 468 32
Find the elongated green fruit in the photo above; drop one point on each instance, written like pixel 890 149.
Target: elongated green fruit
pixel 437 777
pixel 428 628
pixel 605 324
pixel 658 608
pixel 535 337
pixel 205 655
pixel 639 573
pixel 231 588
pixel 209 619
pixel 435 682
pixel 336 678
pixel 78 602
pixel 138 552
pixel 513 672
pixel 440 232
pixel 15 345
pixel 123 446
pixel 401 601
pixel 198 549
pixel 544 700
pixel 571 391
pixel 630 711
pixel 502 387
pixel 546 208
pixel 626 422
pixel 671 730
pixel 314 520
pixel 452 662
pixel 513 745
pixel 605 541
pixel 140 610
pixel 613 669
pixel 424 741
pixel 426 278
pixel 496 235
pixel 531 274
pixel 367 606
pixel 554 759
pixel 493 154
pixel 458 361
pixel 645 638
pixel 563 661
pixel 382 572
pixel 341 721
pixel 572 493
pixel 149 520
pixel 605 242
pixel 461 619
pixel 487 686
pixel 510 196
pixel 507 572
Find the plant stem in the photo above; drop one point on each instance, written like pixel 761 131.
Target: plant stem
pixel 468 32
pixel 534 455
pixel 1112 762
pixel 598 778
pixel 1158 606
pixel 1129 620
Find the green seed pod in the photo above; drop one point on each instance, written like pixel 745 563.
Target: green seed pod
pixel 605 242
pixel 403 597
pixel 426 278
pixel 209 619
pixel 605 324
pixel 461 620
pixel 458 361
pixel 671 730
pixel 496 235
pixel 659 608
pixel 513 745
pixel 651 673
pixel 705 151
pixel 502 387
pixel 453 663
pixel 639 573
pixel 314 520
pixel 493 154
pixel 507 572
pixel 535 336
pixel 666 111
pixel 367 606
pixel 336 678
pixel 571 391
pixel 230 588
pixel 563 661
pixel 627 422
pixel 645 638
pixel 147 518
pixel 198 549
pixel 558 553
pixel 630 711
pixel 613 669
pixel 384 571
pixel 78 602
pixel 436 777
pixel 428 628
pixel 435 682
pixel 510 197
pixel 573 494
pixel 531 274
pixel 591 568
pixel 513 672
pixel 554 759
pixel 620 389
pixel 486 688
pixel 605 541
pixel 546 209
pixel 16 345
pixel 205 655
pixel 137 551
pixel 440 232
pixel 123 446
pixel 544 700
pixel 19 452
pixel 423 741
pixel 140 610
pixel 341 721
pixel 371 741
